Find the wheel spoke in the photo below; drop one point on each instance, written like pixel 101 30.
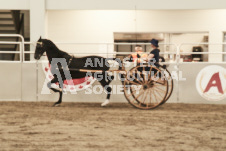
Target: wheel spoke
pixel 156 73
pixel 137 96
pixel 148 98
pixel 144 75
pixel 136 79
pixel 159 94
pixel 156 98
pixel 152 96
pixel 144 100
pixel 159 82
pixel 149 73
pixel 142 96
pixel 133 82
pixel 132 90
pixel 159 88
pixel 141 76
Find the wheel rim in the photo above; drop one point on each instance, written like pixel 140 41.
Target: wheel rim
pixel 145 91
pixel 170 84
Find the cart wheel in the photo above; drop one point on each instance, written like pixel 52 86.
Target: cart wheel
pixel 170 84
pixel 144 88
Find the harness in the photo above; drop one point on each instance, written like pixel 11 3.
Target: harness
pixel 69 61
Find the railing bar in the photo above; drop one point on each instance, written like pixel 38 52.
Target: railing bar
pixel 202 52
pixel 203 43
pixel 28 52
pixel 111 43
pixel 118 53
pixel 10 52
pixel 202 62
pixel 2 61
pixel 8 43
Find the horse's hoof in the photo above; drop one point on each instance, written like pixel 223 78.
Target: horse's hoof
pixel 56 105
pixel 105 103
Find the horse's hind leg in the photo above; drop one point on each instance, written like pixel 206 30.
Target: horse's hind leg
pixel 56 90
pixel 105 83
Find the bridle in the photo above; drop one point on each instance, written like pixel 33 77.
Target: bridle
pixel 40 43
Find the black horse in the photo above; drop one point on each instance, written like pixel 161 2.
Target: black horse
pixel 74 65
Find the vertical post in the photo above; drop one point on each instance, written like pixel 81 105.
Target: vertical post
pixel 36 80
pixel 22 25
pixel 178 63
pixel 37 21
pixel 107 50
pixel 21 70
pixel 16 19
pixel 215 37
pixel 224 48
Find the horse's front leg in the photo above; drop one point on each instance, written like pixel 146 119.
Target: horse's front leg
pixel 56 90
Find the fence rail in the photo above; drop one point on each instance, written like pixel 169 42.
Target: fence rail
pixel 177 48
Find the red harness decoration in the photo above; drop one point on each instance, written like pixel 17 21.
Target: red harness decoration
pixel 74 84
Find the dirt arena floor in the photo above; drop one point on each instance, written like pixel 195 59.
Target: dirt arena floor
pixel 120 127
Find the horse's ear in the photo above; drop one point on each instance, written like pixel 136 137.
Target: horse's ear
pixel 40 38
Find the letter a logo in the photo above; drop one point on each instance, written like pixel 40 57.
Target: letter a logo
pixel 215 82
pixel 211 83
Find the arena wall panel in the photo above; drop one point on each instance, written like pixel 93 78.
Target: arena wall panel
pixel 24 82
pixel 10 81
pixel 188 92
pixel 29 82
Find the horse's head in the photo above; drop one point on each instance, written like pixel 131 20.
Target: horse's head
pixel 39 50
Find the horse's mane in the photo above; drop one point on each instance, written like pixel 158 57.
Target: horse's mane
pixel 53 50
pixel 50 44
